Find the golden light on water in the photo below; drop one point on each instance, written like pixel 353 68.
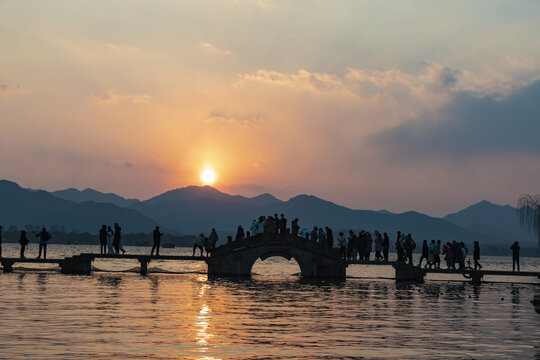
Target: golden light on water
pixel 208 176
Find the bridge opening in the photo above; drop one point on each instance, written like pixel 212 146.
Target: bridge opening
pixel 276 267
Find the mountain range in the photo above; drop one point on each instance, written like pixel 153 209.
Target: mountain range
pixel 195 209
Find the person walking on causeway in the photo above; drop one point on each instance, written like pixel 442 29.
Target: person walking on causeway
pixel 43 236
pixel 515 255
pixel 23 241
pixel 103 239
pixel 157 241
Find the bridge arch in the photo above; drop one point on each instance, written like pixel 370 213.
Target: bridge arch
pixel 238 257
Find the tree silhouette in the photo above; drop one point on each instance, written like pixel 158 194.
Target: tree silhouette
pixel 529 214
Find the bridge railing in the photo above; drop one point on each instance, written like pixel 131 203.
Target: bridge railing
pixel 265 238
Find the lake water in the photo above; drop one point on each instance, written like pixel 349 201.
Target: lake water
pixel 179 314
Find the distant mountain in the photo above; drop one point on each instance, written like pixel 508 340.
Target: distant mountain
pixel 491 219
pixel 20 207
pixel 79 196
pixel 195 209
pixel 191 194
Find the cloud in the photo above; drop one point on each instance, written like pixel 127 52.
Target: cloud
pixel 303 80
pixel 212 49
pixel 223 119
pixel 112 98
pixel 470 125
pixel 8 90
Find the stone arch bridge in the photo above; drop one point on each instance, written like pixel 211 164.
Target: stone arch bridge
pixel 315 260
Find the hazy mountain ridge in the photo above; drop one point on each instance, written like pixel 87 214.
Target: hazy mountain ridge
pixel 21 207
pixel 88 194
pixel 195 209
pixel 491 219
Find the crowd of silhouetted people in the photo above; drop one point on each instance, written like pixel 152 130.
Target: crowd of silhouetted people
pixel 351 247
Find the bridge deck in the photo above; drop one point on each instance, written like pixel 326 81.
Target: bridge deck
pixel 31 260
pixel 450 271
pixel 144 257
pixel 483 272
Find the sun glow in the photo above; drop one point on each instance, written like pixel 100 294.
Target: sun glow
pixel 208 176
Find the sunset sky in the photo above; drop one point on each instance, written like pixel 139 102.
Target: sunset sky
pixel 406 105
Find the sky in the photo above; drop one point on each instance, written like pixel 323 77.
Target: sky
pixel 407 105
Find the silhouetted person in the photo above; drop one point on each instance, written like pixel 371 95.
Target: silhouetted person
pixel 399 247
pixel 425 253
pixel 515 255
pixel 23 241
pixel 350 246
pixel 0 241
pixel 156 235
pixel 43 236
pixel 385 246
pixel 294 227
pixel 103 239
pixel 199 244
pixel 342 245
pixel 116 238
pixel 448 255
pixel 368 245
pixel 239 233
pixel 410 245
pixel 277 224
pixel 110 237
pixel 361 244
pixel 314 234
pixel 282 225
pixel 476 256
pixel 329 237
pixel 213 237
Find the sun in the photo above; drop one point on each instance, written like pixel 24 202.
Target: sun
pixel 208 176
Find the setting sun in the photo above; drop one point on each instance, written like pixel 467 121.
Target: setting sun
pixel 208 176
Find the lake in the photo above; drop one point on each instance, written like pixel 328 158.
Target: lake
pixel 178 313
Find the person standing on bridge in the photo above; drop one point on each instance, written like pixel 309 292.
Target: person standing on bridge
pixel 410 245
pixel 399 247
pixel 110 235
pixel 294 227
pixel 103 239
pixel 43 236
pixel 314 234
pixel 448 255
pixel 329 237
pixel 385 246
pixel 0 241
pixel 157 241
pixel 239 233
pixel 282 225
pixel 342 247
pixel 116 238
pixel 515 255
pixel 476 256
pixel 23 241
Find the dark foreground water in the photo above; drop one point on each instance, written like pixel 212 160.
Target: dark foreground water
pixel 275 315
